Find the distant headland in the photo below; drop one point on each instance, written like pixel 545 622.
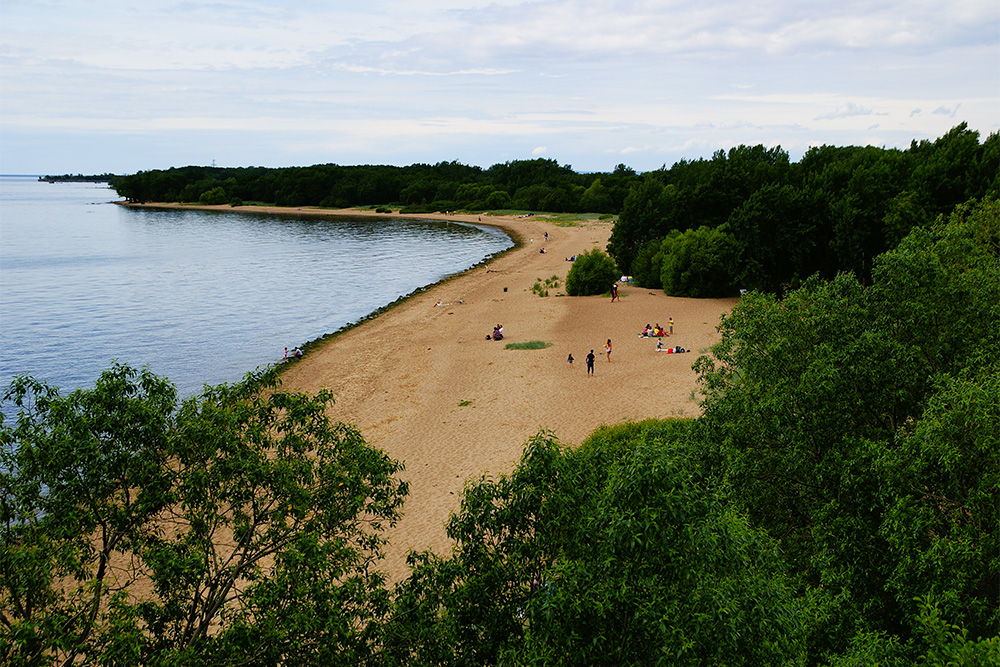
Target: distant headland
pixel 77 178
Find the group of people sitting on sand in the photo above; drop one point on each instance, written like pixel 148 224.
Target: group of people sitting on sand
pixel 497 333
pixel 653 332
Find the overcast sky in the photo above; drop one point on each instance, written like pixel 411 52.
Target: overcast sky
pixel 93 86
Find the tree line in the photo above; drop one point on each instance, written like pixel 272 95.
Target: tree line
pixel 533 185
pixel 77 178
pixel 836 503
pixel 751 219
pixel 747 218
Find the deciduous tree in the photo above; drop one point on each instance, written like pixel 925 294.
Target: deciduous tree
pixel 241 528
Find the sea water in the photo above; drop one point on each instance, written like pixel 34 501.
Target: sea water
pixel 200 297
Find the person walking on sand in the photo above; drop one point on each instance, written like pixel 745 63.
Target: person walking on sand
pixel 607 349
pixel 590 363
pixel 614 292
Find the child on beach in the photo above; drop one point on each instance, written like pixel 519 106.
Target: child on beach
pixel 570 360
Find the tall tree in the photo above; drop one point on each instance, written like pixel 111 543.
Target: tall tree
pixel 773 239
pixel 241 528
pixel 697 262
pixel 640 220
pixel 619 552
pixel 855 424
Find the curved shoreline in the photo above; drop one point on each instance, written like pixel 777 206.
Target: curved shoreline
pixel 422 383
pixel 511 233
pixel 311 344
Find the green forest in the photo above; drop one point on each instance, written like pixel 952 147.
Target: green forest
pixel 539 185
pixel 745 219
pixel 836 503
pixel 748 219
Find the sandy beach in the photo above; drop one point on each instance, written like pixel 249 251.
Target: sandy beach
pixel 423 383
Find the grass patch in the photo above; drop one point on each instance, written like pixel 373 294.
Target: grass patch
pixel 576 219
pixel 541 288
pixel 558 219
pixel 529 345
pixel 462 404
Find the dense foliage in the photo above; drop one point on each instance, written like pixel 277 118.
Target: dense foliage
pixel 619 552
pixel 534 185
pixel 860 426
pixel 240 528
pixel 592 272
pixel 776 223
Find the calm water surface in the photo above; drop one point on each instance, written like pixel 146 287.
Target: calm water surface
pixel 200 297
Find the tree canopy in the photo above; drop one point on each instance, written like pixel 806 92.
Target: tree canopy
pixel 859 426
pixel 835 210
pixel 534 185
pixel 241 527
pixel 619 552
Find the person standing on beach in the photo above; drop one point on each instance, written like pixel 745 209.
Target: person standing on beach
pixel 670 323
pixel 614 292
pixel 570 360
pixel 590 363
pixel 607 349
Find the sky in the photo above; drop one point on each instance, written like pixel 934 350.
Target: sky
pixel 96 86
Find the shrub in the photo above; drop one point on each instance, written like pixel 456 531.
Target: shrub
pixel 541 287
pixel 592 273
pixel 214 196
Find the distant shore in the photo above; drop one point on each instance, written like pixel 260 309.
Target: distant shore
pixel 422 382
pixel 77 178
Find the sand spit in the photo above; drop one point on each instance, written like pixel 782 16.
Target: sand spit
pixel 422 382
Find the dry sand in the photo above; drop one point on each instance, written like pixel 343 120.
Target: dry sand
pixel 422 383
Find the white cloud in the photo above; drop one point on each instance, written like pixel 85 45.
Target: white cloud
pixel 946 111
pixel 847 110
pixel 482 81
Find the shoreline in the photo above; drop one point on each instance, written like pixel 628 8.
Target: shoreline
pixel 422 383
pixel 358 213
